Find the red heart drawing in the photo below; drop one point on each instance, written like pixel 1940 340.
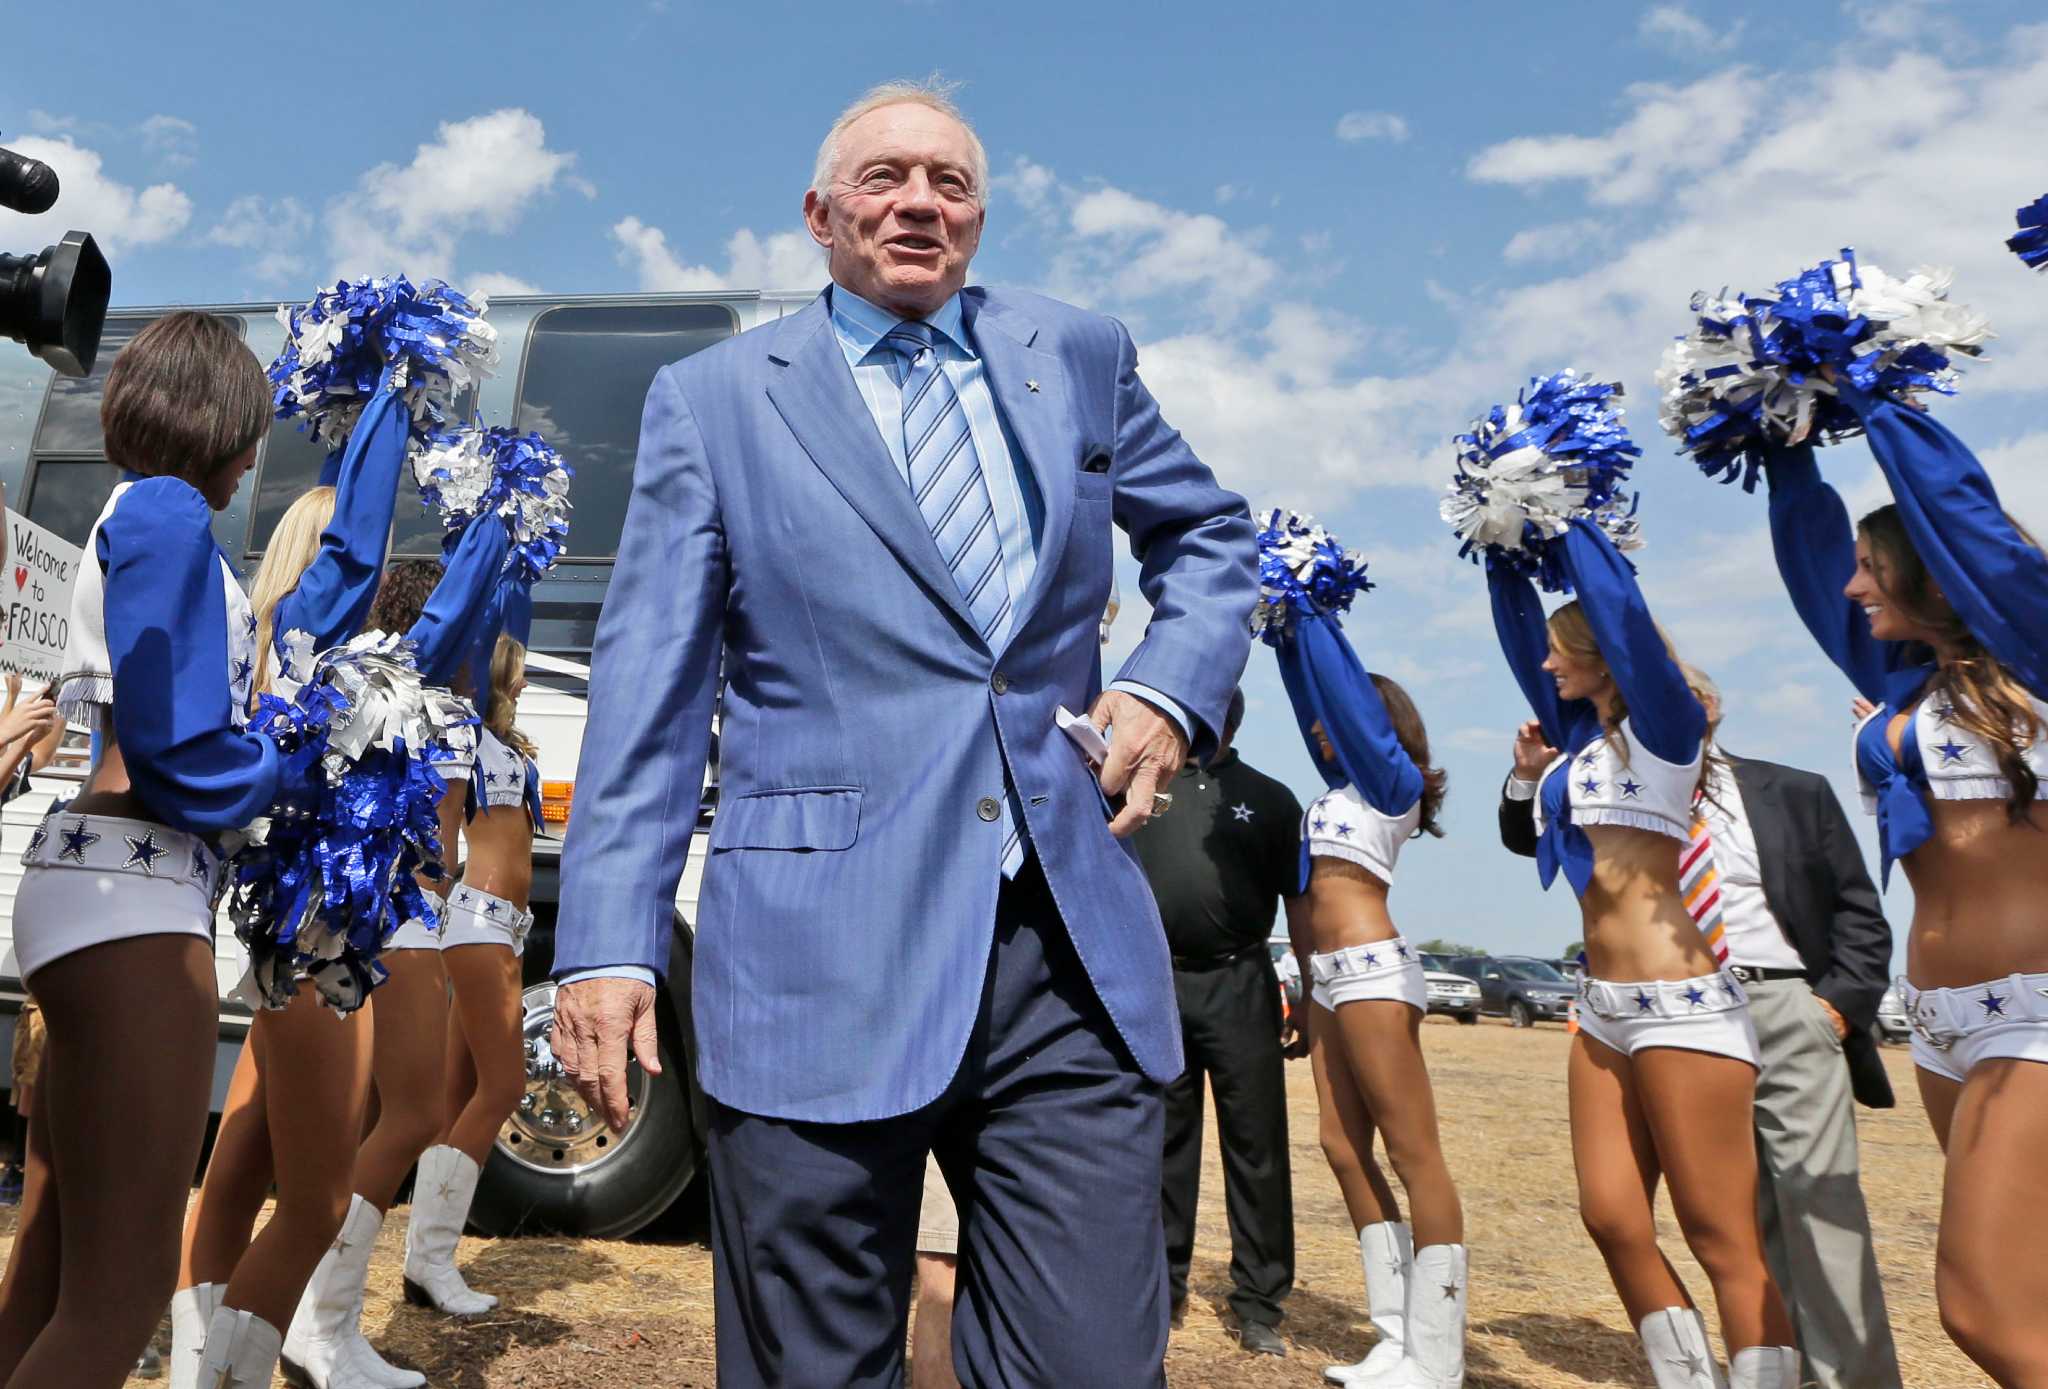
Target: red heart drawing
pixel 20 576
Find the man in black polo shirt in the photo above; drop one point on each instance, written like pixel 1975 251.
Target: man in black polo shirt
pixel 1220 866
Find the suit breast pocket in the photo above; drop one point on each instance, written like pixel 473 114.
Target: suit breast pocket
pixel 812 818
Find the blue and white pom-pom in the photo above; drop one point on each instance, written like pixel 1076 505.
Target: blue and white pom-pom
pixel 1749 372
pixel 1303 572
pixel 517 477
pixel 325 880
pixel 1526 471
pixel 2031 242
pixel 339 344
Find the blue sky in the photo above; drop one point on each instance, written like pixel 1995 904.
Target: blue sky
pixel 1337 231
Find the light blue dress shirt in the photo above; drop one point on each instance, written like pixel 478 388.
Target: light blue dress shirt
pixel 1012 492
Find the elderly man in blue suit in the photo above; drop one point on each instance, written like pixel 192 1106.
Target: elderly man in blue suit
pixel 891 515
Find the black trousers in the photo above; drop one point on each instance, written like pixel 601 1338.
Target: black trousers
pixel 1230 1024
pixel 1049 1138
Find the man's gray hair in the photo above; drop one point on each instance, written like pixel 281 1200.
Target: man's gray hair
pixel 934 92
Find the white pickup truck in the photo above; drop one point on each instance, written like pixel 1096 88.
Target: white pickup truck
pixel 577 369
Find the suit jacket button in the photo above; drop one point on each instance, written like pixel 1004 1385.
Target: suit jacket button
pixel 987 808
pixel 1000 683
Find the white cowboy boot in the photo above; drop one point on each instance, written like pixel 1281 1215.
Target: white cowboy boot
pixel 191 1309
pixel 1386 1250
pixel 324 1346
pixel 1675 1341
pixel 241 1351
pixel 441 1194
pixel 1435 1351
pixel 1764 1367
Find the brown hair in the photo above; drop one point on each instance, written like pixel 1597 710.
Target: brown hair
pixel 508 664
pixel 402 594
pixel 1414 738
pixel 184 399
pixel 1988 700
pixel 1572 633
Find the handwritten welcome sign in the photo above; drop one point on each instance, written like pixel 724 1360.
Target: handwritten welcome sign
pixel 41 567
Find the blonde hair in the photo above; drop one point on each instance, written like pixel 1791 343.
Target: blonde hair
pixel 508 665
pixel 293 547
pixel 1572 633
pixel 933 92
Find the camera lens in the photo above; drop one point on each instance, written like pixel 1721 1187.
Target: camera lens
pixel 55 303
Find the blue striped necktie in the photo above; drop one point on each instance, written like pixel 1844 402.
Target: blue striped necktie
pixel 952 495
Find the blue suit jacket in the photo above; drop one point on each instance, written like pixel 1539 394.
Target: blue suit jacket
pixel 848 906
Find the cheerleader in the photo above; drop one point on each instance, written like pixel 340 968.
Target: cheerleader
pixel 113 918
pixel 1366 982
pixel 324 1346
pixel 1663 1072
pixel 1936 608
pixel 295 1107
pixel 482 938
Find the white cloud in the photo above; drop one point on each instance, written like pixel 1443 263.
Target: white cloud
pixel 782 260
pixel 1353 126
pixel 1678 30
pixel 275 230
pixel 119 215
pixel 476 175
pixel 1030 184
pixel 492 283
pixel 173 140
pixel 1555 240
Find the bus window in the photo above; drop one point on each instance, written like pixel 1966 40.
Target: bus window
pixel 70 493
pixel 588 368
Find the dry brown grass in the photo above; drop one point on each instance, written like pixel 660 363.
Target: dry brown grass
pixel 606 1315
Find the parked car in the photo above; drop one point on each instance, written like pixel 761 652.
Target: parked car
pixel 1522 989
pixel 577 369
pixel 1572 969
pixel 1452 993
pixel 1892 1020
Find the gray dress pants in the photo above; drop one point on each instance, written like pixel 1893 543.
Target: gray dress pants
pixel 1809 1201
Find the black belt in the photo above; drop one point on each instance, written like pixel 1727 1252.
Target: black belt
pixel 1753 974
pixel 1202 962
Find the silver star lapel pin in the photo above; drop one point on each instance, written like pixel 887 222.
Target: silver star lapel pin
pixel 1031 386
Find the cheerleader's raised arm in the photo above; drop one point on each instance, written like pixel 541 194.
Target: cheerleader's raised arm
pixel 1324 675
pixel 1991 574
pixel 1816 551
pixel 456 613
pixel 176 719
pixel 1663 712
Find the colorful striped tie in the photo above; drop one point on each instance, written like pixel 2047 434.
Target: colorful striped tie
pixel 1699 883
pixel 952 495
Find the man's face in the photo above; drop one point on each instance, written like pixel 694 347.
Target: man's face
pixel 904 214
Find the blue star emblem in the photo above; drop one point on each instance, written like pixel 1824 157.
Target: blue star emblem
pixel 491 778
pixel 249 622
pixel 1695 995
pixel 1371 960
pixel 1644 1003
pixel 1630 790
pixel 1343 831
pixel 1728 987
pixel 1401 949
pixel 198 860
pixel 243 669
pixel 1951 752
pixel 1590 786
pixel 77 840
pixel 1992 1004
pixel 143 852
pixel 1943 712
pixel 491 907
pixel 1318 824
pixel 1592 756
pixel 35 843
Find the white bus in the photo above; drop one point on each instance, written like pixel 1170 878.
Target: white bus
pixel 577 369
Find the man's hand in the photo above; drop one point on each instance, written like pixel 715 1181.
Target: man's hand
pixel 1841 1024
pixel 1145 752
pixel 594 1020
pixel 1532 754
pixel 1294 1032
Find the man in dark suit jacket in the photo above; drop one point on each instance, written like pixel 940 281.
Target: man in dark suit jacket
pixel 1808 938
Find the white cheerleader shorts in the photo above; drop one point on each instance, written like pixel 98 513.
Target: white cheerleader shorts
pixel 1709 1013
pixel 1954 1029
pixel 478 918
pixel 90 879
pixel 418 933
pixel 1382 970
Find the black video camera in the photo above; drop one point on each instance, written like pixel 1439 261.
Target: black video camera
pixel 55 302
